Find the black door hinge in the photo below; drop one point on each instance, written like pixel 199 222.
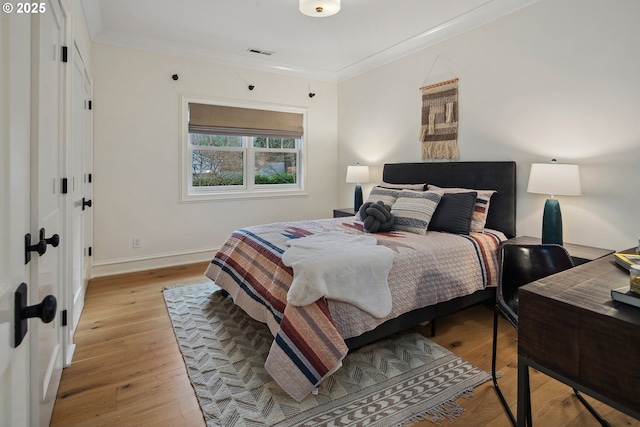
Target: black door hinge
pixel 90 178
pixel 90 250
pixel 90 105
pixel 63 317
pixel 65 57
pixel 63 186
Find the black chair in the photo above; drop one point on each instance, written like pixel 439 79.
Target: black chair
pixel 519 265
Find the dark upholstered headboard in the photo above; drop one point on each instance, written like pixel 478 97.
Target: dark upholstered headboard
pixel 499 176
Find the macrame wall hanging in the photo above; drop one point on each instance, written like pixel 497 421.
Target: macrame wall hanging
pixel 439 131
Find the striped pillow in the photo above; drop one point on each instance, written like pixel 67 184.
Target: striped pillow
pixel 481 209
pixel 388 196
pixel 413 210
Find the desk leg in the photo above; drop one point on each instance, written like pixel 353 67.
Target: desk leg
pixel 524 395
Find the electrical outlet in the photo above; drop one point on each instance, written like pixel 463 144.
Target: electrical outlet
pixel 137 242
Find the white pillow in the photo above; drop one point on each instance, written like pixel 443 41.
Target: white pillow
pixel 416 187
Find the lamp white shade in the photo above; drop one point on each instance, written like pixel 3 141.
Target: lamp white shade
pixel 357 174
pixel 319 8
pixel 554 179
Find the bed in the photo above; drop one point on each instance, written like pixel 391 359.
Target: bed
pixel 431 275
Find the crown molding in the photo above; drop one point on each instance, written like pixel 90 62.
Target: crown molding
pixel 475 18
pixel 93 17
pixel 182 50
pixel 481 15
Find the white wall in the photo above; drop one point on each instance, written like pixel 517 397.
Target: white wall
pixel 137 148
pixel 559 79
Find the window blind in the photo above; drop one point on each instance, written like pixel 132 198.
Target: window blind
pixel 223 120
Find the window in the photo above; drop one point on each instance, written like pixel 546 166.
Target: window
pixel 233 151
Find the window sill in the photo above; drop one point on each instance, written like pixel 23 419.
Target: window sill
pixel 238 195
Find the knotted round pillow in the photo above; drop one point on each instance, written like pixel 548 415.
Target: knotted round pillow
pixel 377 217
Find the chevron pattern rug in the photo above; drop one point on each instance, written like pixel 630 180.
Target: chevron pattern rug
pixel 392 382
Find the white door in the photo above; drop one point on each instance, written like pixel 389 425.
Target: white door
pixel 47 203
pixel 78 191
pixel 15 33
pixel 87 181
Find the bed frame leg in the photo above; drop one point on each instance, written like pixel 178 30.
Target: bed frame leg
pixel 433 327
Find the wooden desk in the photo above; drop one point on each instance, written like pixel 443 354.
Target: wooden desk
pixel 570 329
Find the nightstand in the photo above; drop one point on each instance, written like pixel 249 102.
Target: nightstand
pixel 343 212
pixel 580 254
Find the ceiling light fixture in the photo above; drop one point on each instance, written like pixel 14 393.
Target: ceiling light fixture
pixel 319 8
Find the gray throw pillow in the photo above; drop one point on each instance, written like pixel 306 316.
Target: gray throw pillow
pixel 454 212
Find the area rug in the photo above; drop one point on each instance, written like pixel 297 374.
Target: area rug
pixel 392 382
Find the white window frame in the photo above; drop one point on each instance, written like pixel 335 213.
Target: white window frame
pixel 188 193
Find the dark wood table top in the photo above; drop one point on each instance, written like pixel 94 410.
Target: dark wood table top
pixel 570 328
pixel 589 286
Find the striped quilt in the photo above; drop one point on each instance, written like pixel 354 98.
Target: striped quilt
pixel 309 341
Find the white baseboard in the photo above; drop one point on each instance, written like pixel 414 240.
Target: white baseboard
pixel 69 355
pixel 132 265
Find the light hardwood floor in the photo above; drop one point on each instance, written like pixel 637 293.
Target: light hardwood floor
pixel 127 369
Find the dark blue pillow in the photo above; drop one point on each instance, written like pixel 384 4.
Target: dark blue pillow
pixel 454 212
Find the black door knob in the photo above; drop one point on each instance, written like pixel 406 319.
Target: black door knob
pixel 53 240
pixel 45 311
pixel 40 247
pixel 86 203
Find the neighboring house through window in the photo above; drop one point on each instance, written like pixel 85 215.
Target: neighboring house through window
pixel 233 151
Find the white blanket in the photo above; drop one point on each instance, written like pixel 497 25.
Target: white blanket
pixel 344 267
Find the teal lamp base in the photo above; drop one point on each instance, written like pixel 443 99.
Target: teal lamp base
pixel 357 198
pixel 552 223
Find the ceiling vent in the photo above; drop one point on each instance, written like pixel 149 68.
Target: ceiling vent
pixel 261 52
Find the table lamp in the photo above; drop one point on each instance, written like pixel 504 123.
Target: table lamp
pixel 554 179
pixel 357 174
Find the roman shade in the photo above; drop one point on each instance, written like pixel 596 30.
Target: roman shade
pixel 224 120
